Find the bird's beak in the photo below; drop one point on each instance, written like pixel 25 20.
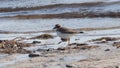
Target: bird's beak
pixel 54 28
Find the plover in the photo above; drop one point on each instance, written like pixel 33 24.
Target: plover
pixel 65 33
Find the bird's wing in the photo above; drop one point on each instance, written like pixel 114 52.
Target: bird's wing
pixel 67 30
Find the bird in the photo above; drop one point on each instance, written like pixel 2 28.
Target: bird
pixel 65 33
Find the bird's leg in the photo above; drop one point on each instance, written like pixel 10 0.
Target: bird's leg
pixel 59 42
pixel 68 41
pixel 69 50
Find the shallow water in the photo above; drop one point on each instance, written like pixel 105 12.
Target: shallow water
pixel 3 55
pixel 32 3
pixel 48 24
pixel 12 59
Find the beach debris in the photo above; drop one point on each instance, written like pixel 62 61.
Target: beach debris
pixel 19 38
pixel 43 36
pixel 112 66
pixel 77 47
pixel 88 60
pixel 87 47
pixel 104 39
pixel 12 46
pixel 116 44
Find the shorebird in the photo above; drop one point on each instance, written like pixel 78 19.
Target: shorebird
pixel 65 33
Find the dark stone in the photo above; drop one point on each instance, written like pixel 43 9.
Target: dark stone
pixel 33 55
pixel 34 42
pixel 81 32
pixel 107 49
pixel 63 39
pixel 61 49
pixel 69 66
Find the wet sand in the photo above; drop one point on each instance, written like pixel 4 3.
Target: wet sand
pixel 24 40
pixel 93 58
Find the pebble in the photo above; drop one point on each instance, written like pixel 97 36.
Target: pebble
pixel 71 66
pixel 34 42
pixel 107 49
pixel 33 55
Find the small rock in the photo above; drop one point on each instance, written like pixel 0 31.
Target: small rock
pixel 107 49
pixel 34 42
pixel 64 39
pixel 50 49
pixel 71 66
pixel 61 49
pixel 33 55
pixel 81 32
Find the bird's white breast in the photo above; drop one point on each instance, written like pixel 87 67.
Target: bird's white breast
pixel 64 35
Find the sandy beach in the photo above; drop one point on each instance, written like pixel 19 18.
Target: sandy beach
pixel 27 38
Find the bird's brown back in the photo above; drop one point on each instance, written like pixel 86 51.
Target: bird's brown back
pixel 66 30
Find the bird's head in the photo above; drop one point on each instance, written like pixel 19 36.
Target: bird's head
pixel 57 26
